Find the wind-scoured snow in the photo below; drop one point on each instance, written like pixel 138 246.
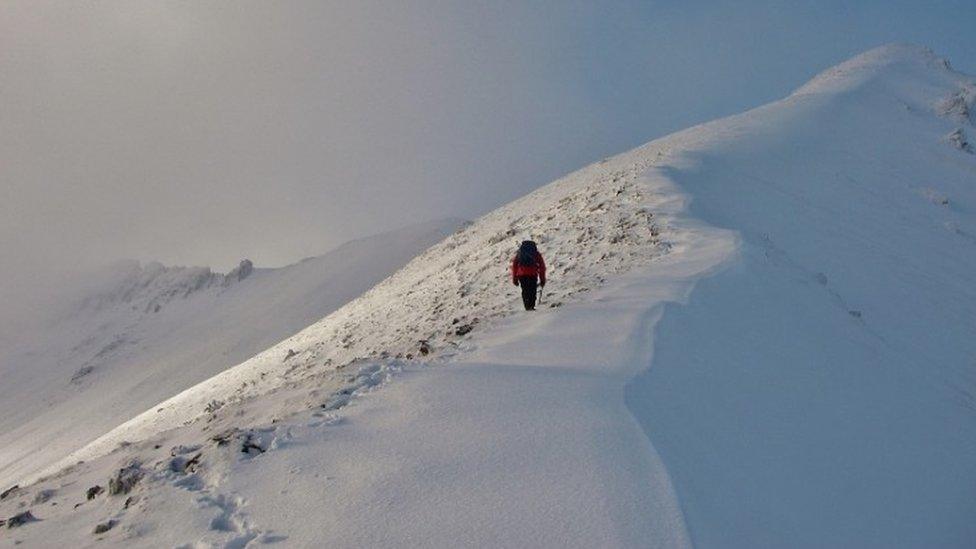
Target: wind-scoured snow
pixel 758 332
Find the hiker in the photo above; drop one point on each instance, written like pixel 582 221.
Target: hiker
pixel 528 270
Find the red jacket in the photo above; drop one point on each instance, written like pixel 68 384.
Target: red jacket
pixel 539 269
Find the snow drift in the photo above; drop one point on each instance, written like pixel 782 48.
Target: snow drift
pixel 821 391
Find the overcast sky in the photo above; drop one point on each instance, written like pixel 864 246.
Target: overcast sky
pixel 204 132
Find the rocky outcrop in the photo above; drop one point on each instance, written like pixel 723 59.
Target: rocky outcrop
pixel 959 141
pixel 19 519
pixel 150 287
pixel 239 273
pixel 959 106
pixel 125 479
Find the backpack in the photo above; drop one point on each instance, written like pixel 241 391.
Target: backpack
pixel 527 254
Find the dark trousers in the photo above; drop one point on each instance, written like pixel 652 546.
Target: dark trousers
pixel 528 284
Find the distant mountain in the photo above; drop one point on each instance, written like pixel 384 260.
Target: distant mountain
pixel 142 333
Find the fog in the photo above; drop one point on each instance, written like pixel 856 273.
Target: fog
pixel 201 133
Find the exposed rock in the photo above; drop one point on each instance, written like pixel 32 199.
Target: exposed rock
pixel 20 519
pixel 424 347
pixel 104 527
pixel 239 273
pixel 245 269
pixel 152 286
pixel 8 492
pixel 183 465
pixel 183 450
pixel 959 106
pixel 93 491
pixel 224 437
pixel 249 446
pixel 43 496
pixel 289 354
pixel 81 373
pixel 464 329
pixel 958 140
pixel 125 479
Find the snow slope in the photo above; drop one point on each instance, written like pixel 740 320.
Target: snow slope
pixel 512 434
pixel 141 334
pixel 760 334
pixel 822 392
pixel 595 223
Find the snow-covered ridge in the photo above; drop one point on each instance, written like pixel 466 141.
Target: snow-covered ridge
pixel 863 67
pixel 914 66
pixel 148 287
pixel 795 283
pixel 590 225
pixel 133 335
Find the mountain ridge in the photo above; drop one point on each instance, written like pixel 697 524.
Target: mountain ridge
pixel 758 333
pixel 145 332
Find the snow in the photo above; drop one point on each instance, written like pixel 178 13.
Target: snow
pixel 142 333
pixel 820 393
pixel 563 410
pixel 598 216
pixel 758 333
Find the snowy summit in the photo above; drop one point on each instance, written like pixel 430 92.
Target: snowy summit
pixel 757 332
